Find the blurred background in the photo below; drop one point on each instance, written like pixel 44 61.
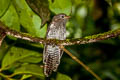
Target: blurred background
pixel 88 17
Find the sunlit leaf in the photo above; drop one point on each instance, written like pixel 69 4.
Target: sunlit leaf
pixel 4 5
pixel 26 76
pixel 30 69
pixel 43 31
pixel 28 19
pixel 60 6
pixel 17 54
pixel 11 19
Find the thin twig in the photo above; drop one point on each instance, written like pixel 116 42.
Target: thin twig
pixel 88 39
pixel 5 76
pixel 81 63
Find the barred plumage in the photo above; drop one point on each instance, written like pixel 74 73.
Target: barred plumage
pixel 52 53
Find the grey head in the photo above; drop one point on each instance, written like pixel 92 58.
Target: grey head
pixel 60 18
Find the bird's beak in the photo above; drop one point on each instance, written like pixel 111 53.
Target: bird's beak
pixel 67 17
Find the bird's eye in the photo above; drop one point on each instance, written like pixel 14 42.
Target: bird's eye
pixel 62 16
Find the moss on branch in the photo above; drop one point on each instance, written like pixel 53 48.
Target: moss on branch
pixel 87 39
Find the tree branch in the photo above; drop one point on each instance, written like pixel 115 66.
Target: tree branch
pixel 88 39
pixel 81 63
pixel 2 36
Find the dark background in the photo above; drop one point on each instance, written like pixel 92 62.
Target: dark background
pixel 88 17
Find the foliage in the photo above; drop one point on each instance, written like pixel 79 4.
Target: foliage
pixel 22 60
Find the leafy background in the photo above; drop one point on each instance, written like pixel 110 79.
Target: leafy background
pixel 23 60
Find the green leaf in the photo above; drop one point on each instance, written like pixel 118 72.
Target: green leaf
pixel 11 19
pixel 43 31
pixel 17 54
pixel 32 59
pixel 30 69
pixel 25 77
pixel 62 77
pixel 3 49
pixel 28 19
pixel 60 6
pixel 4 4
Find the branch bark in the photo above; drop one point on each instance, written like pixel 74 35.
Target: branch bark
pixel 88 39
pixel 2 36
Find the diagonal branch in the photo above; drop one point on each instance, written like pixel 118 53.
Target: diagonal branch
pixel 88 39
pixel 81 63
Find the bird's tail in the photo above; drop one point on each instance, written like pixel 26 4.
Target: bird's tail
pixel 51 58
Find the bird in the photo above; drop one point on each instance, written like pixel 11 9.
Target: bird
pixel 52 52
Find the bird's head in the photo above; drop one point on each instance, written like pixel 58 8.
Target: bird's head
pixel 60 17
